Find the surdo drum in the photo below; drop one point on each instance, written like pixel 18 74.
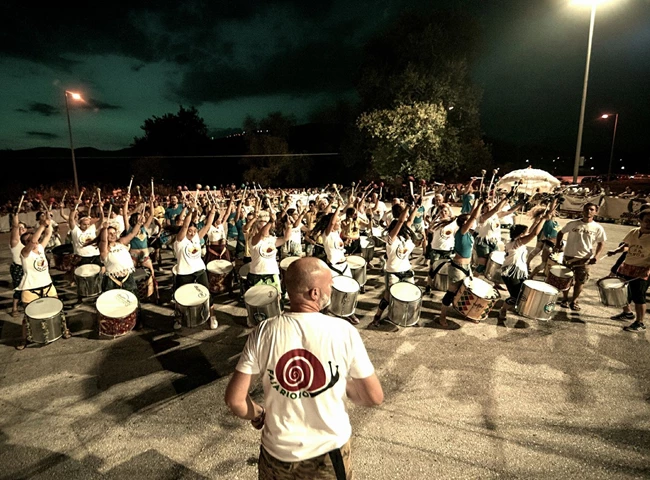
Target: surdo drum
pixel 405 304
pixel 144 282
pixel 560 277
pixel 284 265
pixel 537 300
pixel 345 293
pixel 64 257
pixel 367 248
pixel 441 275
pixel 117 312
pixel 553 259
pixel 45 320
pixel 262 302
pixel 475 299
pixel 192 304
pixel 358 267
pixel 494 265
pixel 612 292
pixel 89 280
pixel 220 276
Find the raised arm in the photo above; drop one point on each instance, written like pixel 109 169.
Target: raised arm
pixel 330 225
pixel 208 222
pixel 126 239
pixel 33 241
pixel 400 221
pixel 15 230
pixel 472 216
pixel 180 236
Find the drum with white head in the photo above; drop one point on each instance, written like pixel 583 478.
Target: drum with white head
pixel 89 280
pixel 262 302
pixel 475 299
pixel 117 312
pixel 358 266
pixel 45 320
pixel 494 265
pixel 220 275
pixel 405 304
pixel 537 300
pixel 612 292
pixel 345 293
pixel 192 304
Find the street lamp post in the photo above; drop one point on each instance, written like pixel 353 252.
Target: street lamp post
pixel 576 163
pixel 75 96
pixel 611 153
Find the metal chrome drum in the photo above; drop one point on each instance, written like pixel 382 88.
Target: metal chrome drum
pixel 405 304
pixel 45 320
pixel 345 293
pixel 192 304
pixel 441 275
pixel 613 292
pixel 89 280
pixel 262 302
pixel 537 300
pixel 358 267
pixel 284 264
pixel 493 266
pixel 367 248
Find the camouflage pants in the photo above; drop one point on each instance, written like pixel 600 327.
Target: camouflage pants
pixel 317 468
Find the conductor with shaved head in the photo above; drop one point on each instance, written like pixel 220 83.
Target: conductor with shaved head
pixel 308 363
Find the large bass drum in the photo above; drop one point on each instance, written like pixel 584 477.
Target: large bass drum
pixel 192 304
pixel 45 320
pixel 475 299
pixel 405 304
pixel 537 300
pixel 345 293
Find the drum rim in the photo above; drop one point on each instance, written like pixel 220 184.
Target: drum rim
pixel 284 264
pixel 254 289
pixel 192 285
pixel 114 292
pixel 466 282
pixel 348 280
pixel 355 257
pixel 89 266
pixel 602 280
pixel 530 281
pixel 404 285
pixel 44 300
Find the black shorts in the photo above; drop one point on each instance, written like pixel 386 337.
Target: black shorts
pixel 514 286
pixel 636 290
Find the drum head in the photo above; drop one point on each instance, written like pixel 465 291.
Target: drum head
pixel 355 261
pixel 345 284
pixel 116 303
pixel 557 257
pixel 561 271
pixel 260 295
pixel 243 271
pixel 498 257
pixel 541 287
pixel 611 283
pixel 175 270
pixel 285 262
pixel 43 308
pixel 220 267
pixel 87 270
pixel 405 291
pixel 191 295
pixel 481 288
pixel 366 242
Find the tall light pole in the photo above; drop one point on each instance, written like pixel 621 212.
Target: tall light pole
pixel 576 163
pixel 75 96
pixel 611 153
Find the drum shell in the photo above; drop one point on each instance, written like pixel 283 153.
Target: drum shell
pixel 553 259
pixel 284 265
pixel 144 282
pixel 88 286
pixel 44 330
pixel 563 282
pixel 473 306
pixel 402 312
pixel 441 278
pixel 493 267
pixel 63 256
pixel 219 282
pixel 243 277
pixel 359 272
pixel 368 251
pixel 259 313
pixel 612 297
pixel 377 233
pixel 117 326
pixel 193 315
pixel 536 304
pixel 343 303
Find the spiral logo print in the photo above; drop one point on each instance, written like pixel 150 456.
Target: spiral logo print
pixel 300 370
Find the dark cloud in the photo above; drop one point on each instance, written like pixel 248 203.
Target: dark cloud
pixel 43 135
pixel 41 108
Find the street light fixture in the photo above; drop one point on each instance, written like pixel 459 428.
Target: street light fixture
pixel 77 97
pixel 611 153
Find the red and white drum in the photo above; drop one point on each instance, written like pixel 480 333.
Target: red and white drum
pixel 475 299
pixel 220 276
pixel 560 277
pixel 144 282
pixel 117 312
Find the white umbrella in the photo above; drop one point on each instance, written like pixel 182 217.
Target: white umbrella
pixel 530 180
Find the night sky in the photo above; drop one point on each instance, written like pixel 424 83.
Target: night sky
pixel 236 58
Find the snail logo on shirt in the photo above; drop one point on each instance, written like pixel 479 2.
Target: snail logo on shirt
pixel 446 234
pixel 192 251
pixel 299 373
pixel 401 251
pixel 338 244
pixel 267 249
pixel 85 238
pixel 40 264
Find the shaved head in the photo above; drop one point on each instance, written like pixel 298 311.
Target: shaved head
pixel 309 284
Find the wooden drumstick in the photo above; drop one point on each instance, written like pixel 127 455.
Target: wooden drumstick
pixel 152 196
pixel 128 190
pixel 63 199
pixel 99 195
pixel 81 194
pixel 110 210
pixel 20 204
pixel 480 189
pixel 494 172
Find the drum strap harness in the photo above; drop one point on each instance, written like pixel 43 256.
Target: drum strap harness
pixel 466 272
pixel 337 462
pixel 340 272
pixel 41 291
pixel 119 282
pixel 435 271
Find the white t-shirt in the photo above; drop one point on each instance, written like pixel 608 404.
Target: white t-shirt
pixel 638 253
pixel 490 230
pixel 443 237
pixel 582 237
pixel 304 361
pixel 188 255
pixel 215 234
pixel 398 252
pixel 334 248
pixel 264 257
pixel 118 261
pixel 36 270
pixel 79 239
pixel 118 224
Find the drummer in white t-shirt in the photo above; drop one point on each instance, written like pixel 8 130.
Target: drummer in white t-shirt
pixel 441 233
pixel 399 246
pixel 187 249
pixel 264 268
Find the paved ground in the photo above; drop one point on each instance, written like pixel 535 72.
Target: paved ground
pixel 568 398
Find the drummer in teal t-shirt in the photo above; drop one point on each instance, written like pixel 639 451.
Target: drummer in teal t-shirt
pixel 467 198
pixel 545 240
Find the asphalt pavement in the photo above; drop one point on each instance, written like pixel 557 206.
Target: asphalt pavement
pixel 565 398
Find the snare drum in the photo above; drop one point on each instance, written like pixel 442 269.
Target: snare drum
pixel 117 312
pixel 405 304
pixel 358 267
pixel 475 299
pixel 441 275
pixel 553 259
pixel 345 293
pixel 262 302
pixel 537 300
pixel 45 320
pixel 560 277
pixel 64 257
pixel 144 282
pixel 367 248
pixel 89 280
pixel 494 265
pixel 192 304
pixel 284 264
pixel 612 292
pixel 220 276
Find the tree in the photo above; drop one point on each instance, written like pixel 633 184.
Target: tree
pixel 420 65
pixel 183 133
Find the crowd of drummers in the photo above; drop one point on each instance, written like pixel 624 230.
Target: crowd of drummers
pixel 245 237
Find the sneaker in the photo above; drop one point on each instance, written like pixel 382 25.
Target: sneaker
pixel 214 324
pixel 623 316
pixel 177 325
pixel 427 290
pixel 635 327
